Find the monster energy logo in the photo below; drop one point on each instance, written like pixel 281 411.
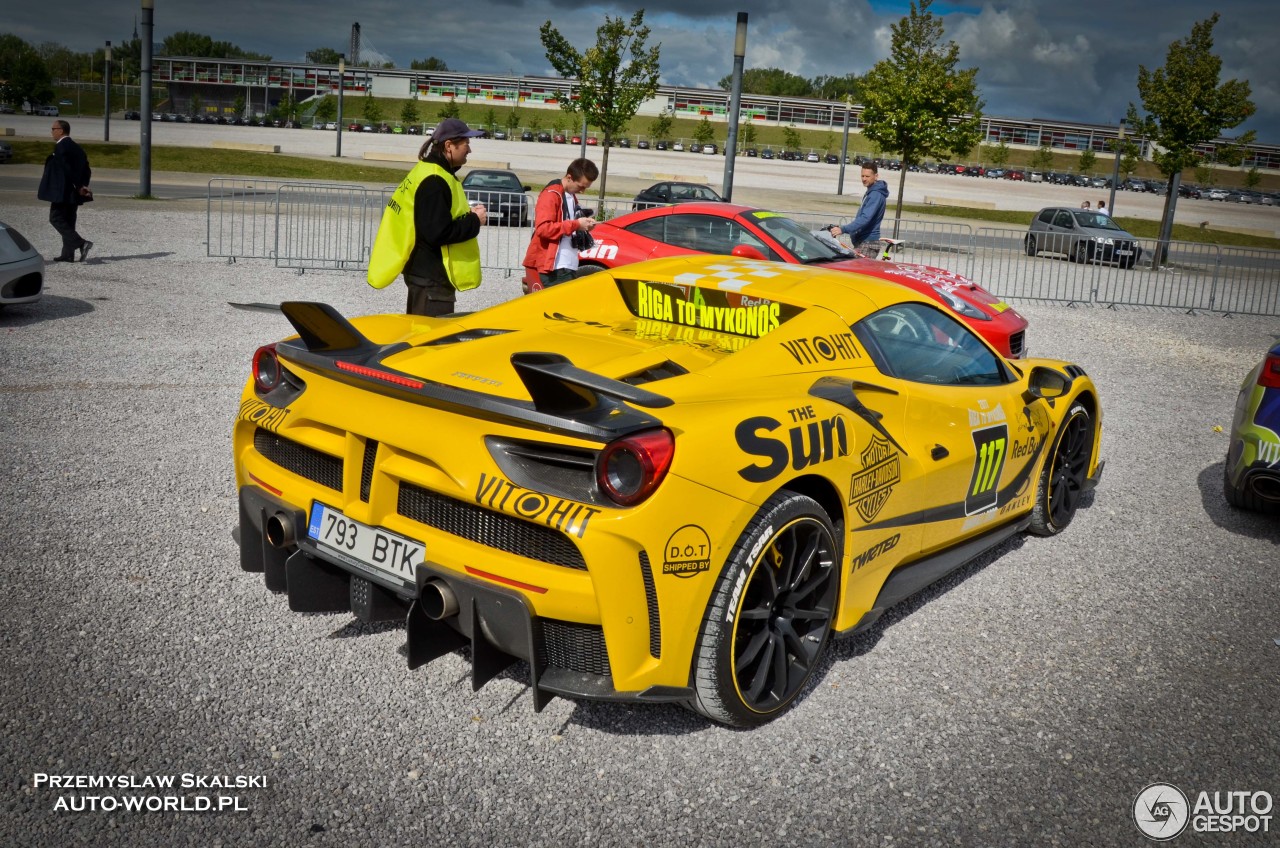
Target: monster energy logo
pixel 990 447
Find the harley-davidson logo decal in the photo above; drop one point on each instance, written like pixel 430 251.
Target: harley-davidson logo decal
pixel 869 489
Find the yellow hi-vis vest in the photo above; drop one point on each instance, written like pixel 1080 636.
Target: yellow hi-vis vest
pixel 396 237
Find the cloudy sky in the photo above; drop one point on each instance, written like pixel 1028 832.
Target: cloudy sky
pixel 1068 61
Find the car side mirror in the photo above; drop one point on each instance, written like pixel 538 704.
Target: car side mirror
pixel 746 251
pixel 1047 383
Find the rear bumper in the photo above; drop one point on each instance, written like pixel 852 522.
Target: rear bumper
pixel 499 626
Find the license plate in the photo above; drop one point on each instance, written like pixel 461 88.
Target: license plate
pixel 1124 252
pixel 373 547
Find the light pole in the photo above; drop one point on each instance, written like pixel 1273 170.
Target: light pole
pixel 1115 173
pixel 342 83
pixel 106 100
pixel 844 145
pixel 735 105
pixel 144 147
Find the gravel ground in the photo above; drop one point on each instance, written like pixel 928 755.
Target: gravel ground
pixel 1025 701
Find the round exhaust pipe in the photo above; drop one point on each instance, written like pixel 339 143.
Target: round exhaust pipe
pixel 438 600
pixel 1266 487
pixel 279 530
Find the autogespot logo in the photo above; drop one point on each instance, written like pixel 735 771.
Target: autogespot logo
pixel 1161 811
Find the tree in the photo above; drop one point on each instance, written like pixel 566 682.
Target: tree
pixel 535 122
pixel 450 109
pixel 916 103
pixel 194 44
pixel 614 76
pixel 491 119
pixel 431 63
pixel 703 133
pixel 1252 177
pixel 842 89
pixel 237 106
pixel 194 106
pixel 772 81
pixel 326 109
pixel 1042 159
pixel 409 113
pixel 660 127
pixel 284 107
pixel 23 74
pixel 997 155
pixel 1087 160
pixel 1186 107
pixel 829 142
pixel 323 56
pixel 791 138
pixel 372 108
pixel 747 134
pixel 513 120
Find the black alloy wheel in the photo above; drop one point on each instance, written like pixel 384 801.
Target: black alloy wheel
pixel 1065 472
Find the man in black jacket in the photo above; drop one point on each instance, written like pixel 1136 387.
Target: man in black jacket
pixel 65 184
pixel 437 269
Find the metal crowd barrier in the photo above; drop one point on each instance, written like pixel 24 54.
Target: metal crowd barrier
pixel 320 226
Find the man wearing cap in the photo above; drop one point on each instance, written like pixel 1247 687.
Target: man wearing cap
pixel 428 231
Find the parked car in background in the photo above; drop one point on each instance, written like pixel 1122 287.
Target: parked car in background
pixel 733 230
pixel 642 144
pixel 660 145
pixel 1251 479
pixel 1216 194
pixel 1017 175
pixel 21 269
pixel 132 115
pixel 559 138
pixel 623 142
pixel 678 147
pixel 1082 236
pixel 501 192
pixel 661 194
pixel 500 135
pixel 528 135
pixel 710 149
pixel 1035 177
pixel 6 151
pixel 1133 184
pixel 766 154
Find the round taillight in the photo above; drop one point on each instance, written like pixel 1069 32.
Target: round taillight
pixel 630 469
pixel 266 368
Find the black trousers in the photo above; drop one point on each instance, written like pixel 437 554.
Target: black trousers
pixel 63 218
pixel 428 297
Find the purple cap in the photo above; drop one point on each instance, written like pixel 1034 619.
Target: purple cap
pixel 454 128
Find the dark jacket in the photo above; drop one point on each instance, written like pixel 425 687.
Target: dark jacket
pixel 65 172
pixel 434 225
pixel 866 226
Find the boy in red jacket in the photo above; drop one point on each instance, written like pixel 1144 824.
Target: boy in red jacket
pixel 552 257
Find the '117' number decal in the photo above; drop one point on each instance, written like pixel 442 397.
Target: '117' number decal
pixel 990 446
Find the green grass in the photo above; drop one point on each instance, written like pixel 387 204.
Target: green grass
pixel 194 160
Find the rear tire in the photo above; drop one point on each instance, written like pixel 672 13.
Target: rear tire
pixel 1065 471
pixel 1032 248
pixel 770 614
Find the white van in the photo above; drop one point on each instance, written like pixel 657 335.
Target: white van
pixel 48 111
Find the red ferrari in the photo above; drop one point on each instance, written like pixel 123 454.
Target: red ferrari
pixel 727 228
